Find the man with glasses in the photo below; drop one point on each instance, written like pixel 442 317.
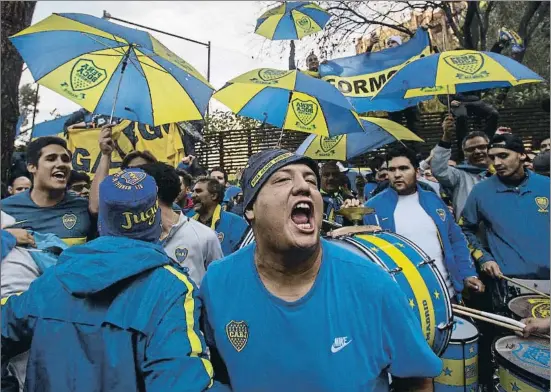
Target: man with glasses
pixel 79 183
pixel 461 179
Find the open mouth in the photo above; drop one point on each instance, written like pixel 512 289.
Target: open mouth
pixel 301 215
pixel 60 175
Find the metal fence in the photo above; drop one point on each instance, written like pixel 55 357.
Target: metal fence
pixel 232 149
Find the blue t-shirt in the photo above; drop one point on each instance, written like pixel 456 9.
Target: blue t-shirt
pixel 69 219
pixel 343 335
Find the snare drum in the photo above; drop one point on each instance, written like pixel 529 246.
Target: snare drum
pixel 523 364
pixel 526 306
pixel 418 278
pixel 460 360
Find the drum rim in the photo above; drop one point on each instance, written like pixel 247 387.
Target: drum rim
pixel 521 296
pixel 465 341
pixel 447 331
pixel 514 368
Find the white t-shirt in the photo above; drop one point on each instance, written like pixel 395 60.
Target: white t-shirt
pixel 194 246
pixel 415 224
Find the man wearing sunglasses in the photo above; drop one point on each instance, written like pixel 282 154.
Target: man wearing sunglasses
pixel 79 183
pixel 461 179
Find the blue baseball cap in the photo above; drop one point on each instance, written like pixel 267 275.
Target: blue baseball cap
pixel 263 164
pixel 128 206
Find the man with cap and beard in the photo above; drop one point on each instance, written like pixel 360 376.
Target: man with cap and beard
pixel 294 312
pixel 514 207
pixel 116 314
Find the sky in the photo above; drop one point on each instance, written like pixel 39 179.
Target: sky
pixel 228 25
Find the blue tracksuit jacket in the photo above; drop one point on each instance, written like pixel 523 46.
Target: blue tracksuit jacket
pixel 516 220
pixel 113 315
pixel 452 240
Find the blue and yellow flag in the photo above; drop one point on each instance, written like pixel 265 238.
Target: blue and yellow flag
pixel 360 77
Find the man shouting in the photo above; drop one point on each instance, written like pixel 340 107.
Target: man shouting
pixel 293 312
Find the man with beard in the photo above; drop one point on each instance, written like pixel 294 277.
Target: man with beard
pixel 288 313
pixel 48 207
pixel 193 245
pixel 514 207
pixel 207 195
pixel 460 180
pixel 422 217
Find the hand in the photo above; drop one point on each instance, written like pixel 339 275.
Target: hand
pixel 448 126
pixel 475 284
pixel 373 40
pixel 455 103
pixel 350 203
pixel 22 237
pixel 535 325
pixel 106 144
pixel 188 160
pixel 491 269
pixel 360 181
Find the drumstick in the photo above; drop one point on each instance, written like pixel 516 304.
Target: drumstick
pixel 488 320
pixel 490 315
pixel 524 286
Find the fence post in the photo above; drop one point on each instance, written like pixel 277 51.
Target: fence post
pixel 221 148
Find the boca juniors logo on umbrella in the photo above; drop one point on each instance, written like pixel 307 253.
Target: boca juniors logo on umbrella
pixel 86 75
pixel 328 144
pixel 305 24
pixel 270 75
pixel 468 64
pixel 306 111
pixel 238 334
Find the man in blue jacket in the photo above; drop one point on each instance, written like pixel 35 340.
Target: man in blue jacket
pixel 422 217
pixel 115 314
pixel 208 194
pixel 514 207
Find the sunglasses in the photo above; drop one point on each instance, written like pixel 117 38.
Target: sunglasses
pixel 482 147
pixel 545 145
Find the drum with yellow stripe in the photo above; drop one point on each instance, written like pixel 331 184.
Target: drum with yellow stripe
pixel 529 305
pixel 523 364
pixel 419 279
pixel 460 360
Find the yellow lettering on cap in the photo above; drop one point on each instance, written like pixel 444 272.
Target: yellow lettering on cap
pixel 147 216
pixel 268 166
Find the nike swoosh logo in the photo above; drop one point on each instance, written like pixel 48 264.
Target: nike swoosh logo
pixel 337 349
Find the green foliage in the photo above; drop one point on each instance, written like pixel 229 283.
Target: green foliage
pixel 223 121
pixel 27 96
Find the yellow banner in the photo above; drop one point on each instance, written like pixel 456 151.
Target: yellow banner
pixel 164 142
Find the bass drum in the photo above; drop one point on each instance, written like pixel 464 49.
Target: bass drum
pixel 414 272
pixel 523 364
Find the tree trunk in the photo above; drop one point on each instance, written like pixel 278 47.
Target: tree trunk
pixel 16 15
pixel 292 63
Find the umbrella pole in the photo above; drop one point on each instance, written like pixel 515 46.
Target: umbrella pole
pixel 124 64
pixel 449 105
pixel 280 137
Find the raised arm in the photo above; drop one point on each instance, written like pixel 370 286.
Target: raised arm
pixel 106 146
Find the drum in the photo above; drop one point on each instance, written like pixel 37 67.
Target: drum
pixel 414 272
pixel 460 360
pixel 416 275
pixel 523 364
pixel 526 306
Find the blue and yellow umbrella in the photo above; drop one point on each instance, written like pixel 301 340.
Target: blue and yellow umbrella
pixel 292 20
pixel 454 72
pixel 113 70
pixel 290 100
pixel 378 132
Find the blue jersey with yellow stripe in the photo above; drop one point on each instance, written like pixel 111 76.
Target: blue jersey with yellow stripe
pixel 230 228
pixel 352 327
pixel 69 219
pixel 115 314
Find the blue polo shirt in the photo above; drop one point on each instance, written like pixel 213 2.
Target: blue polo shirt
pixel 352 327
pixel 69 219
pixel 516 220
pixel 230 228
